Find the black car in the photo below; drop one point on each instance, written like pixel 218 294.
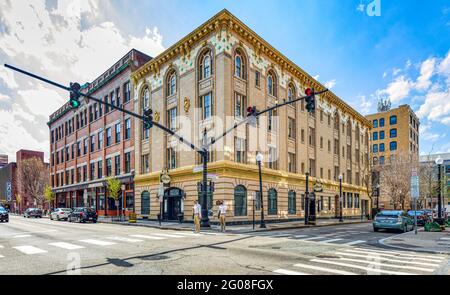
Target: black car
pixel 83 214
pixel 33 212
pixel 4 216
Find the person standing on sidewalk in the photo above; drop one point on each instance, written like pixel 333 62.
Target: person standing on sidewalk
pixel 222 215
pixel 197 210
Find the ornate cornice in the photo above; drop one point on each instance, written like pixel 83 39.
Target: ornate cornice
pixel 225 21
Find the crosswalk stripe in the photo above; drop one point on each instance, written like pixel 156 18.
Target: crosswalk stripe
pixel 67 246
pixel 282 235
pixel 386 259
pixel 409 257
pixel 388 265
pixel 336 271
pixel 445 239
pixel 1 246
pixel 167 235
pixel 187 234
pixel 289 272
pixel 22 236
pixel 1 256
pixel 300 236
pixel 313 238
pixel 97 242
pixel 147 237
pixel 369 269
pixel 29 250
pixel 331 241
pixel 354 242
pixel 402 253
pixel 123 239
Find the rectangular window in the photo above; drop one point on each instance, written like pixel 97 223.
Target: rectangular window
pixel 291 128
pixel 172 118
pixel 206 103
pixel 126 92
pixel 117 132
pixel 272 158
pixel 79 174
pixel 117 165
pixel 393 133
pixel 119 104
pixel 128 162
pixel 393 146
pixel 302 135
pixel 271 121
pixel 171 158
pixel 78 149
pixel 312 167
pixel 257 79
pixel 128 128
pixel 108 136
pixel 85 173
pixel 239 105
pixel 92 143
pixel 73 151
pixel 108 167
pixel 145 164
pixel 239 150
pixel 382 122
pixel 312 136
pixel 85 146
pixel 112 99
pixel 107 106
pixel 100 169
pixel 292 167
pixel 375 136
pixel 100 140
pixel 92 172
pixel 67 154
pixel 95 111
pixel 321 142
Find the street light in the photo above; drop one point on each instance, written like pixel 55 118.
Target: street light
pixel 439 161
pixel 340 198
pixel 259 159
pixel 378 197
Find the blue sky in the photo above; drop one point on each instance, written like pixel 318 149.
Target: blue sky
pixel 403 54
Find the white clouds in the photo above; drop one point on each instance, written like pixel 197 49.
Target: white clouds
pixel 426 72
pixel 397 90
pixel 365 105
pixel 68 42
pixel 436 107
pixel 330 84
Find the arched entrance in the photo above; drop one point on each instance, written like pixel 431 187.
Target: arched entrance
pixel 173 203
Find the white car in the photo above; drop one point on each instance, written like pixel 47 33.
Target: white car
pixel 60 214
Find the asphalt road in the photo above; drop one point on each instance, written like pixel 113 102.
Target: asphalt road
pixel 42 246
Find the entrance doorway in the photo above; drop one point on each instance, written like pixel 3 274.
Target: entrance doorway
pixel 337 207
pixel 173 203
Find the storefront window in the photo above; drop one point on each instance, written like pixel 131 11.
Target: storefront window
pixel 101 201
pixel 130 201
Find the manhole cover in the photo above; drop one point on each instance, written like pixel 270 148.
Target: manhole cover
pixel 327 256
pixel 156 257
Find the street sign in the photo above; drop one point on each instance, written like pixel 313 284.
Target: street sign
pixel 212 176
pixel 197 169
pixel 8 191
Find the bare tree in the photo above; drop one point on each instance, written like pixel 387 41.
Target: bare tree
pixel 33 177
pixel 396 181
pixel 427 182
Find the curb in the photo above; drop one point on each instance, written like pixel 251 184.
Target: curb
pixel 239 232
pixel 382 242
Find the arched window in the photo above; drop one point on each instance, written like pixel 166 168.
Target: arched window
pixel 145 99
pixel 271 83
pixel 171 83
pixel 272 202
pixel 239 65
pixel 292 202
pixel 205 65
pixel 145 203
pixel 291 93
pixel 240 201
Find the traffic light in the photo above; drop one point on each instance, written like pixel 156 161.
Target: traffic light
pixel 74 95
pixel 251 111
pixel 148 118
pixel 310 100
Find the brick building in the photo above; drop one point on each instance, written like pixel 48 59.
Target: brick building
pixel 206 81
pixel 94 142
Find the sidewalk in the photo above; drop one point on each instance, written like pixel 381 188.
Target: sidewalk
pixel 433 242
pixel 236 229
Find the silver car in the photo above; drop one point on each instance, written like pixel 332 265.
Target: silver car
pixel 60 214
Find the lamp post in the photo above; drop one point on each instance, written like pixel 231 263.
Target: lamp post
pixel 439 161
pixel 252 197
pixel 307 199
pixel 340 198
pixel 259 159
pixel 378 197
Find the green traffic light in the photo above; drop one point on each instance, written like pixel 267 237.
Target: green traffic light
pixel 74 103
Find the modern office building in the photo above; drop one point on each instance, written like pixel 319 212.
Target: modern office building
pixel 206 81
pixel 94 142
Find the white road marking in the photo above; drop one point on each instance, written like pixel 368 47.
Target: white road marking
pixel 289 272
pixel 409 257
pixel 368 269
pixel 123 239
pixel 388 265
pixel 21 236
pixel 1 246
pixel 445 239
pixel 341 272
pixel 1 256
pixel 330 241
pixel 67 246
pixel 31 232
pixel 402 253
pixel 313 238
pixel 29 250
pixel 281 235
pixel 300 236
pixel 97 242
pixel 167 235
pixel 386 259
pixel 188 234
pixel 147 237
pixel 354 242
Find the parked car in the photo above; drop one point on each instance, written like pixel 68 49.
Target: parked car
pixel 422 216
pixel 60 214
pixel 83 214
pixel 393 220
pixel 4 215
pixel 33 212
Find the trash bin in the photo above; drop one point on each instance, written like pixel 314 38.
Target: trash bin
pixel 132 218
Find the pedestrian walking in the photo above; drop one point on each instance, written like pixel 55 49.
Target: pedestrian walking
pixel 222 215
pixel 197 210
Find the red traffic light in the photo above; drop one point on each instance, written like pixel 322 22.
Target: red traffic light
pixel 309 91
pixel 250 110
